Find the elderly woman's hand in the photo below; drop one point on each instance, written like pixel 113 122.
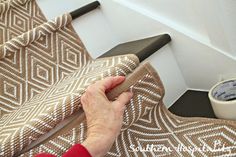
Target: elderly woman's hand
pixel 104 117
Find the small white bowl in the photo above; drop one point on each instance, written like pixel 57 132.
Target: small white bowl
pixel 223 99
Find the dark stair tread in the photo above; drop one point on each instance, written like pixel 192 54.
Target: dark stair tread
pixel 142 48
pixel 193 104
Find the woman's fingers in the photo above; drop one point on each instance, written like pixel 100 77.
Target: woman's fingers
pixel 102 113
pixel 123 99
pixel 96 91
pixel 109 83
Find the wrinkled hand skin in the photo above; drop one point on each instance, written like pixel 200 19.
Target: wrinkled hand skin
pixel 104 117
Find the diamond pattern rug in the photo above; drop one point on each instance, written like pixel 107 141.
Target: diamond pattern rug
pixel 34 53
pixel 45 68
pixel 149 129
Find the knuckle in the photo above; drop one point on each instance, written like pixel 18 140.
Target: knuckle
pixel 83 98
pixel 120 107
pixel 123 107
pixel 90 90
pixel 97 81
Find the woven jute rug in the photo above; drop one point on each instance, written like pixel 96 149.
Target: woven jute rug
pixel 34 53
pixel 149 129
pixel 45 68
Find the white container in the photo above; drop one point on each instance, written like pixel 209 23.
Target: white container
pixel 223 99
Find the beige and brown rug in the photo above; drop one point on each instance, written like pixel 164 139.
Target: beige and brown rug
pixel 149 129
pixel 34 53
pixel 45 68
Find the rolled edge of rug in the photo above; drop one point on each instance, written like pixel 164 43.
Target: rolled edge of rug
pixel 145 68
pixel 36 33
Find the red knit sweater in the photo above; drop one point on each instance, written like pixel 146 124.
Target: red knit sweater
pixel 75 151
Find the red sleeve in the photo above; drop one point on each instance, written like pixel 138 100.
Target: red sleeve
pixel 75 151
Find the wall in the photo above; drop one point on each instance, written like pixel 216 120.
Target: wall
pixel 200 44
pixel 212 21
